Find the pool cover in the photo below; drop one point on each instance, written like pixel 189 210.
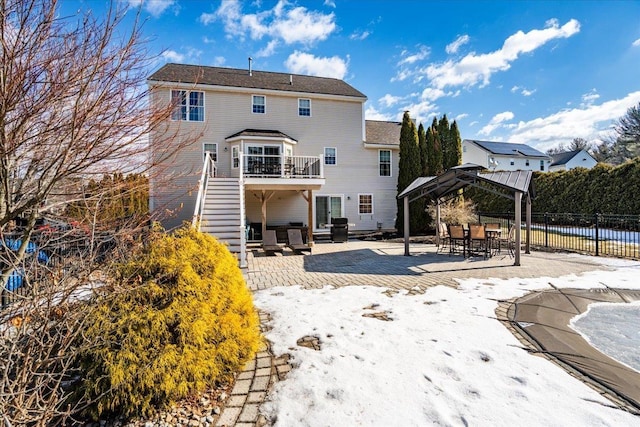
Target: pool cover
pixel 543 318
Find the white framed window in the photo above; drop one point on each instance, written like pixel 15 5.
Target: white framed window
pixel 384 162
pixel 258 104
pixel 188 105
pixel 526 162
pixel 330 156
pixel 542 165
pixel 304 107
pixel 235 157
pixel 512 162
pixel 212 149
pixel 365 204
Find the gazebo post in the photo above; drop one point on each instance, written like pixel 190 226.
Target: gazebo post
pixel 406 226
pixel 518 210
pixel 527 247
pixel 438 222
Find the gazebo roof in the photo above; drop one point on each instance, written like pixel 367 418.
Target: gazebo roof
pixel 459 177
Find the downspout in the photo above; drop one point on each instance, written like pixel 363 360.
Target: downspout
pixel 243 224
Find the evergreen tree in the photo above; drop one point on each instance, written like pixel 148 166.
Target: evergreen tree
pixel 424 156
pixel 456 145
pixel 437 149
pixel 409 169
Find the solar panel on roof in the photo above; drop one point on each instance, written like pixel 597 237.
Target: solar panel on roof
pixel 508 148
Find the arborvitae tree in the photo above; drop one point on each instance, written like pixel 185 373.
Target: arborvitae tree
pixel 424 155
pixel 456 144
pixel 445 143
pixel 409 168
pixel 437 166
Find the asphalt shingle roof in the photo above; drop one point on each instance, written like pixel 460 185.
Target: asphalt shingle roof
pixel 232 77
pixel 380 132
pixel 563 158
pixel 508 148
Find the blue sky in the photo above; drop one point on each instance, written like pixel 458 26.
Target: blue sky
pixel 534 72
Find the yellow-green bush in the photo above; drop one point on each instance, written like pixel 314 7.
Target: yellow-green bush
pixel 182 319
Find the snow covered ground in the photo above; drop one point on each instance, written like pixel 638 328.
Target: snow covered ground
pixel 441 359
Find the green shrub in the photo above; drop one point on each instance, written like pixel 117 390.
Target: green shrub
pixel 182 320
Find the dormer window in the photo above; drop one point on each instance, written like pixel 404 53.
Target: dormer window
pixel 258 104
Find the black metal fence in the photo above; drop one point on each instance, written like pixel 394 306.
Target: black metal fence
pixel 593 234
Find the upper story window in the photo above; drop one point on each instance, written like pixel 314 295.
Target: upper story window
pixel 304 107
pixel 188 105
pixel 512 162
pixel 365 204
pixel 330 156
pixel 542 165
pixel 384 161
pixel 527 162
pixel 258 104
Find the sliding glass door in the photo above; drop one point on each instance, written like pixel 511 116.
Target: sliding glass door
pixel 327 207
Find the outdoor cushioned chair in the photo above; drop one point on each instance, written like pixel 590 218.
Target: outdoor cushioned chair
pixel 478 239
pixel 457 239
pixel 295 241
pixel 443 236
pixel 270 243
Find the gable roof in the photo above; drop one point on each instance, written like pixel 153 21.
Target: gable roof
pixel 565 157
pixel 232 77
pixel 382 133
pixel 508 148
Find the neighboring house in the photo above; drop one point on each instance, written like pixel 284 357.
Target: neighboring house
pixel 285 149
pixel 504 156
pixel 571 160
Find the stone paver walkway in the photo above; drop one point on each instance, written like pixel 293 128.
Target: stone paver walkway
pixel 373 263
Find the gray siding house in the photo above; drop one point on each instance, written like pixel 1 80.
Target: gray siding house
pixel 271 150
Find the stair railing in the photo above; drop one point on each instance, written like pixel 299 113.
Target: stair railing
pixel 208 170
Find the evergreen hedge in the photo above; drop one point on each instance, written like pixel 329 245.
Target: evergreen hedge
pixel 604 189
pixel 180 320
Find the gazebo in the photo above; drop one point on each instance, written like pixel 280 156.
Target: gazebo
pixel 511 184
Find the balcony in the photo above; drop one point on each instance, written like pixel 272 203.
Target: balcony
pixel 282 172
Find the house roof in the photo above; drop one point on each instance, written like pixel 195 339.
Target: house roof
pixel 508 148
pixel 231 77
pixel 383 133
pixel 564 157
pixel 268 133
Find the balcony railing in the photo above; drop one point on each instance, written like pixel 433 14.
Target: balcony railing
pixel 277 166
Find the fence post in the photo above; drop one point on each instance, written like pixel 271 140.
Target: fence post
pixel 596 215
pixel 546 230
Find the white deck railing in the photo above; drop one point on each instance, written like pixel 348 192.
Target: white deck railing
pixel 278 166
pixel 208 170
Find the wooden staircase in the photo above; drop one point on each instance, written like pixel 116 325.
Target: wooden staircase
pixel 223 213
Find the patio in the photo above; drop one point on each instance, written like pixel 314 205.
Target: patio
pixel 381 263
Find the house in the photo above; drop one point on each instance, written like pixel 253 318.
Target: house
pixel 572 159
pixel 279 150
pixel 504 156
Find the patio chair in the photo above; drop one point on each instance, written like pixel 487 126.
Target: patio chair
pixel 494 236
pixel 270 243
pixel 457 239
pixel 511 241
pixel 478 239
pixel 443 236
pixel 295 241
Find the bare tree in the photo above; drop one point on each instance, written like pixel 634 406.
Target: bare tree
pixel 73 103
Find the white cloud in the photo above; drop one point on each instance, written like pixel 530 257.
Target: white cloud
pixel 461 116
pixel 154 7
pixel 370 113
pixel 389 100
pixel 219 60
pixel 306 63
pixel 422 53
pixel 589 98
pixel 283 23
pixel 173 56
pixel 496 122
pixel 477 69
pixel 523 91
pixel 360 35
pixel 422 112
pixel 455 45
pixel 589 122
pixel 330 3
pixel 268 50
pixel 431 94
pixel 636 43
